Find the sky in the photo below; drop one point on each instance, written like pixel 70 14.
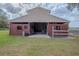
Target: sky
pixel 56 9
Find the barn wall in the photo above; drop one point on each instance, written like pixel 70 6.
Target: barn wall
pixel 52 28
pixel 14 31
pixel 50 31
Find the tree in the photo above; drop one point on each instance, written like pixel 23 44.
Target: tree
pixel 3 19
pixel 71 6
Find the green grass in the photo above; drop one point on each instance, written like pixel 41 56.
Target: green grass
pixel 18 45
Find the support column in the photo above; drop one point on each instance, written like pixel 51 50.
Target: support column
pixel 52 31
pixel 47 29
pixel 29 28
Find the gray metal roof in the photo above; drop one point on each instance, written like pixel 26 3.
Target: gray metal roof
pixel 38 16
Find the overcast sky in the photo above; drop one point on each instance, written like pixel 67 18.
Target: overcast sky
pixel 59 10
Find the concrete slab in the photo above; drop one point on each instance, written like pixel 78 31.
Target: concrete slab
pixel 39 36
pixel 46 36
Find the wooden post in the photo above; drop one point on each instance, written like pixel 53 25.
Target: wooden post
pixel 29 27
pixel 23 33
pixel 47 28
pixel 52 31
pixel 23 30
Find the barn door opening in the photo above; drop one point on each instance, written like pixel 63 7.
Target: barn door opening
pixel 38 28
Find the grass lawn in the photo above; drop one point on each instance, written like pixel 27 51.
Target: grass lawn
pixel 17 45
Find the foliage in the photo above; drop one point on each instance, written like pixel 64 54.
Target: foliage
pixel 3 19
pixel 71 6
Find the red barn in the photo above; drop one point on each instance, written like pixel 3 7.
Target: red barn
pixel 39 21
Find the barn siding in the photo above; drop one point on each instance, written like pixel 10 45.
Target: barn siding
pixel 63 27
pixel 14 31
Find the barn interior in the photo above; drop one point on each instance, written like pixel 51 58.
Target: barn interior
pixel 38 28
